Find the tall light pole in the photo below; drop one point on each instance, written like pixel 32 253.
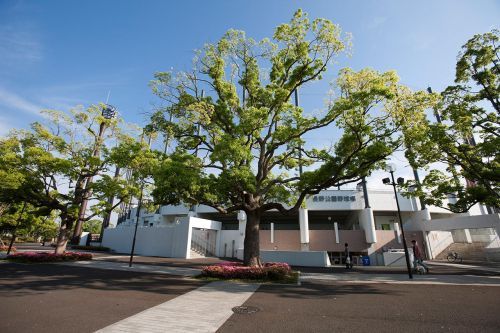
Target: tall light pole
pixel 108 112
pixel 387 181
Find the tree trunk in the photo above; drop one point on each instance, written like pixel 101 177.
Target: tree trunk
pixel 62 238
pixel 251 254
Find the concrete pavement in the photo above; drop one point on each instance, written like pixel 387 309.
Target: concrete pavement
pixel 207 308
pixel 121 266
pixel 466 280
pixel 202 310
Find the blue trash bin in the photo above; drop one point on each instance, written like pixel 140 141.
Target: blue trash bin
pixel 365 260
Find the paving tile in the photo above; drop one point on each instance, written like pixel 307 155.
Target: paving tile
pixel 202 310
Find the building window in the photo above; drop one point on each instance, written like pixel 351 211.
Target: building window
pixel 385 226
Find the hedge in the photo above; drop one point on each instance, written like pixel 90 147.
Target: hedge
pixel 48 256
pixel 234 270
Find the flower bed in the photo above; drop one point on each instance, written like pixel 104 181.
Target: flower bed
pixel 48 256
pixel 4 248
pixel 273 271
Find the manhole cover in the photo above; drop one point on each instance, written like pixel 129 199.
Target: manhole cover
pixel 245 309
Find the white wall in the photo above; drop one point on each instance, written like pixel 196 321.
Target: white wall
pixel 319 201
pixel 149 241
pixel 379 220
pixel 227 237
pixel 297 258
pixel 170 241
pixel 439 241
pixel 83 238
pixel 465 222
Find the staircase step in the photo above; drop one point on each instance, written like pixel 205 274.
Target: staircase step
pixel 468 251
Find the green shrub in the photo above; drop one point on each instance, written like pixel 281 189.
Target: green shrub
pixel 32 257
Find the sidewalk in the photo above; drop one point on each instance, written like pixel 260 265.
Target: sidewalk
pixel 354 277
pixel 349 276
pixel 121 266
pixel 202 310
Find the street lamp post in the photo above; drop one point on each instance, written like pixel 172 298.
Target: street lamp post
pixel 400 181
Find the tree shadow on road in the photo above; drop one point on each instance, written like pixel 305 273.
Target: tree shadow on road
pixel 28 279
pixel 321 290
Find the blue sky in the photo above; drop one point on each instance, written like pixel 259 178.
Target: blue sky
pixel 57 54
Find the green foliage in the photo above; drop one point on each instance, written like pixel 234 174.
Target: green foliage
pixel 39 165
pixel 233 155
pixel 92 226
pixel 467 140
pixel 29 224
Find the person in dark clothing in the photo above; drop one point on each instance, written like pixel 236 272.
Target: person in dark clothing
pixel 418 256
pixel 348 257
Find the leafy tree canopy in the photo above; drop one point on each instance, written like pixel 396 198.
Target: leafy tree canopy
pixel 238 146
pixel 467 140
pixel 49 166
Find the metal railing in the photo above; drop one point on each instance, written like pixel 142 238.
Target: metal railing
pixel 202 245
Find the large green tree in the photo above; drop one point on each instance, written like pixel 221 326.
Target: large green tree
pixel 238 147
pixel 467 139
pixel 49 167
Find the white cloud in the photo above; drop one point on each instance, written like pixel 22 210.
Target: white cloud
pixel 18 45
pixel 13 101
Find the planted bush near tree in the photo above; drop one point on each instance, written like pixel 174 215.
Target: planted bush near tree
pixel 273 271
pixel 48 256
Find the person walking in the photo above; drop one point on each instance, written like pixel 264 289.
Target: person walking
pixel 418 257
pixel 348 258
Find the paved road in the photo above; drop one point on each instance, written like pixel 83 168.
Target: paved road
pixel 48 297
pixel 343 307
pixel 83 299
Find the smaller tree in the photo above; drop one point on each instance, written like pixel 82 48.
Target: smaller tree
pixel 38 166
pixel 467 139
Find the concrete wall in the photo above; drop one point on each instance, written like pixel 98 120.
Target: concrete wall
pixel 297 258
pixel 149 241
pixel 465 222
pixel 355 238
pixel 83 238
pixel 226 241
pixel 284 240
pixel 171 241
pixel 323 240
pixel 439 241
pixel 379 220
pixel 319 201
pixel 386 239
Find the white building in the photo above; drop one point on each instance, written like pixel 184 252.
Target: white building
pixel 313 237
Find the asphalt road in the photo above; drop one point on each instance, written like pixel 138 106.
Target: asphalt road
pixel 343 307
pixel 56 298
